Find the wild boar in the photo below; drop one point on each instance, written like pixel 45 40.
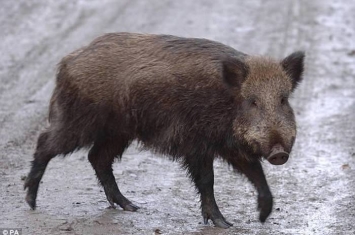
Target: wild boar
pixel 191 99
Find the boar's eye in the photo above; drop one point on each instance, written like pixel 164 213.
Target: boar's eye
pixel 284 100
pixel 253 103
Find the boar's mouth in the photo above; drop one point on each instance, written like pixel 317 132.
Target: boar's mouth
pixel 278 156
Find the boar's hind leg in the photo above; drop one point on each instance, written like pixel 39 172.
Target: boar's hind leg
pixel 101 157
pixel 254 172
pixel 201 172
pixel 50 143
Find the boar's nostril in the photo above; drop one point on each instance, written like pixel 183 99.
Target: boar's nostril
pixel 278 156
pixel 278 159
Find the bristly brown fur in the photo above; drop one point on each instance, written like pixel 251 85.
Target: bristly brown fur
pixel 191 99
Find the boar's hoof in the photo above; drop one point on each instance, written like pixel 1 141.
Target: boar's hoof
pixel 265 203
pixel 278 156
pixel 31 201
pixel 222 223
pixel 218 222
pixel 131 207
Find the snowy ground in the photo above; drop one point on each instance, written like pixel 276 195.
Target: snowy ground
pixel 314 192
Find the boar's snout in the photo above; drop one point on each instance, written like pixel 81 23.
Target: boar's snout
pixel 278 156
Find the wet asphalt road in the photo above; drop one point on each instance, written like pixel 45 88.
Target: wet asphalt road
pixel 314 192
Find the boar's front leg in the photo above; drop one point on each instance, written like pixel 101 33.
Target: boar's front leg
pixel 201 172
pixel 254 172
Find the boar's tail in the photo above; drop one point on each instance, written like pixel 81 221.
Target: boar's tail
pixel 53 105
pixel 62 79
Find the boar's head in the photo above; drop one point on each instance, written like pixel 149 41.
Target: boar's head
pixel 264 120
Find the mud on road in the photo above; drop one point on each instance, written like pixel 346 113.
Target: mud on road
pixel 314 192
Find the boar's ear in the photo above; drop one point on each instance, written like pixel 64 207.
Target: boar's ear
pixel 293 65
pixel 234 72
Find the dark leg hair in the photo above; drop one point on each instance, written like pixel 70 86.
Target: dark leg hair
pixel 101 157
pixel 201 172
pixel 254 172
